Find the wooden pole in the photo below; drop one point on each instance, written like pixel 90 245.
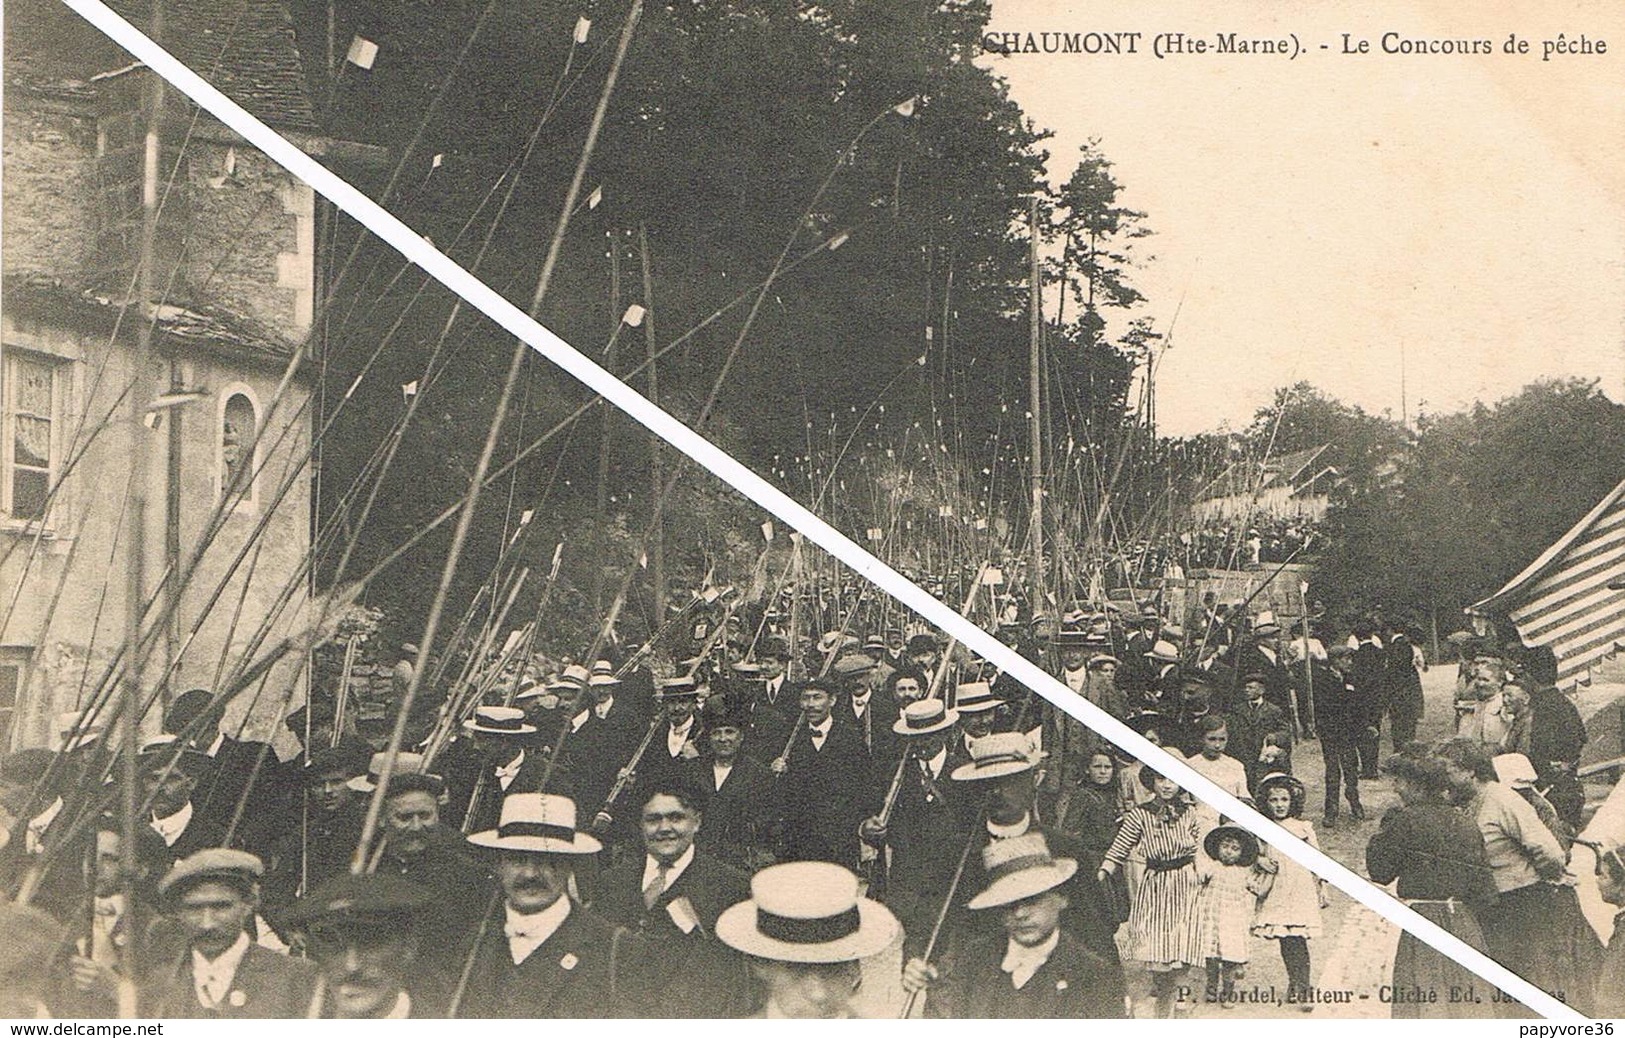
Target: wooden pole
pixel 1035 335
pixel 657 476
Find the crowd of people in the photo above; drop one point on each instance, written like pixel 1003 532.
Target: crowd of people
pixel 741 837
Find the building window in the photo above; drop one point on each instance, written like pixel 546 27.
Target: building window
pixel 31 390
pixel 12 663
pixel 239 428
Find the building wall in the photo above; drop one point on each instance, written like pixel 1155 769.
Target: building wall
pixel 242 235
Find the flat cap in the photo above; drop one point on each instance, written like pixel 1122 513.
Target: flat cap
pixel 373 897
pixel 212 863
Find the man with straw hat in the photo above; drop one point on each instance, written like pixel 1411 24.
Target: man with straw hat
pixel 1038 970
pixel 804 931
pixel 1003 770
pixel 540 954
pixel 927 815
pixel 496 753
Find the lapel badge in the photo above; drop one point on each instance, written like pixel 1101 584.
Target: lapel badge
pixel 237 998
pixel 1060 985
pixel 569 961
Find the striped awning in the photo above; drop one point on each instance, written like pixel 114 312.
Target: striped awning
pixel 1563 599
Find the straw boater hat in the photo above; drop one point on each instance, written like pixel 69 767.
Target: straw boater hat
pixel 498 720
pixel 1514 769
pixel 973 697
pixel 1100 659
pixel 574 678
pixel 1264 623
pixel 603 673
pixel 1164 652
pixel 1070 638
pixel 537 823
pixel 997 755
pixel 681 687
pixel 1249 842
pixel 807 912
pixel 1019 868
pixel 405 764
pixel 924 717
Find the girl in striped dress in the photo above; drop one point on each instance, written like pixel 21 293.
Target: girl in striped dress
pixel 1163 932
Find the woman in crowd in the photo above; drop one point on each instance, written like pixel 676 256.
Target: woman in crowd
pixel 1092 815
pixel 1436 854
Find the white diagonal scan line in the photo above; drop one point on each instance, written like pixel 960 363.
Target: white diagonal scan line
pixel 414 248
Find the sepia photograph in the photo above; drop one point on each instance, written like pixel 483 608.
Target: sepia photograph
pixel 716 510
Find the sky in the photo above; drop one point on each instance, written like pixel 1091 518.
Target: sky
pixel 1343 218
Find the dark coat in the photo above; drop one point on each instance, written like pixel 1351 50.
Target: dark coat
pixel 824 795
pixel 273 986
pixel 772 722
pixel 1249 728
pixel 570 975
pixel 463 891
pixel 927 830
pixel 250 772
pixel 666 972
pixel 1341 711
pixel 1073 984
pixel 740 827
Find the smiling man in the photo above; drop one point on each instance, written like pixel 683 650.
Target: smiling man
pixel 671 898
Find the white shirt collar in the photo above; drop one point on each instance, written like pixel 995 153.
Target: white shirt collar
pixel 212 980
pixel 1021 962
pixel 170 828
pixel 214 747
pixel 509 771
pixel 602 709
pixel 823 729
pixel 936 763
pixel 34 840
pixel 720 772
pixel 650 867
pixel 860 703
pixel 526 933
pixel 401 1010
pixel 578 720
pixel 1005 832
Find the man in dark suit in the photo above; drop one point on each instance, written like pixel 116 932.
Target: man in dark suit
pixel 674 753
pixel 1260 732
pixel 928 819
pixel 416 847
pixel 1340 717
pixel 1369 675
pixel 740 827
pixel 1262 655
pixel 776 707
pixel 670 899
pixel 238 773
pixel 544 955
pixel 497 756
pixel 1035 969
pixel 604 745
pixel 362 933
pixel 322 841
pixel 868 709
pixel 824 788
pixel 169 775
pixel 213 895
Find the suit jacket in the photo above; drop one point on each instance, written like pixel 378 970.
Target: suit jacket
pixel 463 891
pixel 1072 984
pixel 1249 727
pixel 824 795
pixel 201 832
pixel 740 827
pixel 666 972
pixel 928 827
pixel 874 727
pixel 266 985
pixel 570 975
pixel 251 772
pixel 772 722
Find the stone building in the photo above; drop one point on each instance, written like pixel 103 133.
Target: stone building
pixel 233 278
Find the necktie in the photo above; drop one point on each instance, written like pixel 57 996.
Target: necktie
pixel 656 887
